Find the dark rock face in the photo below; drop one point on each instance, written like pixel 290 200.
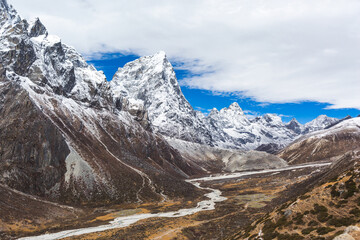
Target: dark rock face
pixel 295 126
pixel 37 29
pixel 272 148
pixel 32 149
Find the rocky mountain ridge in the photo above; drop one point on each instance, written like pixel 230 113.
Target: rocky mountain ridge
pixel 324 145
pixel 63 136
pixel 149 83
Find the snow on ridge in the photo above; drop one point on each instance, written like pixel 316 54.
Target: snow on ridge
pixel 352 125
pixel 148 84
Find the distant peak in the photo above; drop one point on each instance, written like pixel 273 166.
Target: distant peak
pixel 272 117
pixel 294 121
pixel 160 54
pixel 235 106
pixel 159 57
pixel 322 116
pixel 214 111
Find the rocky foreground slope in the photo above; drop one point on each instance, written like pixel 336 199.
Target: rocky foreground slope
pixel 327 205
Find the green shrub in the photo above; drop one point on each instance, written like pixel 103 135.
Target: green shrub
pixel 333 179
pixel 306 231
pixel 281 222
pixel 334 193
pixel 298 219
pixel 324 230
pixel 318 208
pixel 336 234
pixel 313 223
pixel 355 212
pixel 342 202
pixel 351 188
pixel 339 222
pixel 323 217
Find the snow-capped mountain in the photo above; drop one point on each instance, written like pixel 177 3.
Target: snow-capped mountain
pixel 232 129
pixel 150 82
pixel 319 123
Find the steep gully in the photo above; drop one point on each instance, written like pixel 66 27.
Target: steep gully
pixel 213 196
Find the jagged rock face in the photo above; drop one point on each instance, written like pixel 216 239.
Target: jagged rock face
pixel 32 149
pixel 36 29
pixel 328 144
pixel 150 82
pixel 64 138
pixel 339 121
pixel 229 127
pixel 234 130
pixel 31 52
pixel 295 126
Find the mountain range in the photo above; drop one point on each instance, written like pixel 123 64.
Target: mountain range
pixel 70 136
pixel 80 120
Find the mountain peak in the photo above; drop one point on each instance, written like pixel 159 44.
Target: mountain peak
pixel 323 116
pixel 294 121
pixel 235 106
pixel 161 54
pixel 36 28
pixel 214 111
pixel 295 126
pixel 320 123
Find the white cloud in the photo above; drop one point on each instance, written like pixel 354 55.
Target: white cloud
pixel 273 51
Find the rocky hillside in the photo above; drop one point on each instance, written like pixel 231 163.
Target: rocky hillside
pixel 64 137
pixel 325 206
pixel 214 159
pixel 324 145
pixel 329 208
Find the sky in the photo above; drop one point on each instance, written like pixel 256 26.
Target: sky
pixel 296 58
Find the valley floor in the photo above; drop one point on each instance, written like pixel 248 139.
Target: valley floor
pixel 248 196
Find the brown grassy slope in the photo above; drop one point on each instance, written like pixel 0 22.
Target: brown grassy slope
pixel 321 213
